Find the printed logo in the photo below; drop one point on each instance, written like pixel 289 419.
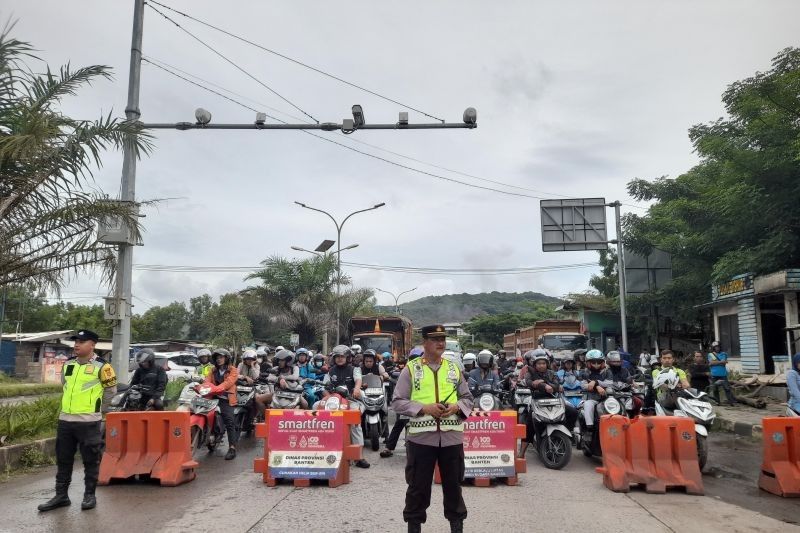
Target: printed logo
pixel 505 458
pixel 686 435
pixel 777 438
pixel 330 459
pixel 277 460
pixel 177 432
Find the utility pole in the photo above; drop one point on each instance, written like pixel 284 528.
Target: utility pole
pixel 621 272
pixel 122 329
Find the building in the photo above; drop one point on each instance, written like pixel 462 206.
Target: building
pixel 39 357
pixel 601 326
pixel 454 329
pixel 755 319
pixel 170 345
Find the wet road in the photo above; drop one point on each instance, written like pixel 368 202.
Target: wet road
pixel 228 496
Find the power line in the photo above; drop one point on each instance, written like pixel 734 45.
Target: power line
pixel 245 72
pixel 297 62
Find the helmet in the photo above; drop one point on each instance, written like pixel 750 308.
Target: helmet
pixel 221 351
pixel 371 354
pixel 613 357
pixel 415 352
pixel 342 350
pixel 271 350
pixel 302 351
pixel 569 358
pixel 145 355
pixel 485 359
pixel 249 354
pixel 318 361
pixel 284 355
pixel 469 359
pixel 531 356
pixel 279 348
pixel 595 355
pixel 715 344
pixel 261 352
pixel 667 379
pixel 205 352
pixel 386 355
pixel 356 348
pixel 654 360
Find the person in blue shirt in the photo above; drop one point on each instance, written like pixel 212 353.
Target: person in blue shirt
pixel 793 384
pixel 718 360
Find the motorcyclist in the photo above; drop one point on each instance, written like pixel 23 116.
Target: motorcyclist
pixel 620 373
pixel 286 371
pixel 357 355
pixel 223 385
pixel 543 383
pixel 204 356
pixel 261 359
pixel 303 363
pixel 484 374
pixel 388 362
pixel 316 371
pixel 152 378
pixel 371 365
pixel 248 368
pixel 667 397
pixel 344 373
pixel 593 381
pixel 567 369
pixel 470 362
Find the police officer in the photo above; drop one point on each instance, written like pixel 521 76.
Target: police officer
pixel 205 366
pixel 89 385
pixel 433 392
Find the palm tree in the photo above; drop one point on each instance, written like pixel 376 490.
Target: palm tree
pixel 49 205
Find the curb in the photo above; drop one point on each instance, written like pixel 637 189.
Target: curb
pixel 754 431
pixel 11 456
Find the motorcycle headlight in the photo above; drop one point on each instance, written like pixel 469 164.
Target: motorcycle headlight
pixel 332 404
pixel 486 402
pixel 116 400
pixel 612 406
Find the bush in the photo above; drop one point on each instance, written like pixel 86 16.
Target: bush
pixel 11 389
pixel 172 392
pixel 29 421
pixel 33 456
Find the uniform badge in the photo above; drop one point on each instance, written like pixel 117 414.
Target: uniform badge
pixel 452 377
pixel 418 373
pixel 89 369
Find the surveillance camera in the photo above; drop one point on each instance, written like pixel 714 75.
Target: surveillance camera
pixel 261 118
pixel 203 117
pixel 403 120
pixel 358 116
pixel 470 116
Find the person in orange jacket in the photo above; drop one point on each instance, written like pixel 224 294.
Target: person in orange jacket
pixel 222 379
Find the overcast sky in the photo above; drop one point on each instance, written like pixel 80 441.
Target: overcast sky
pixel 573 98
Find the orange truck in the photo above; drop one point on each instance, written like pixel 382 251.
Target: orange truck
pixel 381 333
pixel 561 337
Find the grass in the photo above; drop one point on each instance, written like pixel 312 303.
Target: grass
pixel 29 421
pixel 9 390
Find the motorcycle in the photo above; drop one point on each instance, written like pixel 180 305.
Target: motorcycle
pixel 129 399
pixel 522 404
pixel 694 404
pixel 573 392
pixel 288 397
pixel 609 405
pixel 245 405
pixel 338 399
pixel 205 420
pixel 373 419
pixel 553 438
pixel 487 398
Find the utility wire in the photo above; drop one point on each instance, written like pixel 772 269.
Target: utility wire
pixel 295 61
pixel 270 89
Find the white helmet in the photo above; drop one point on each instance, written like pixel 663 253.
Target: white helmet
pixel 667 379
pixel 356 349
pixel 654 359
pixel 485 352
pixel 279 348
pixel 261 352
pixel 469 358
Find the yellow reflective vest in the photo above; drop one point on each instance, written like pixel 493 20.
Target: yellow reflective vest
pixel 427 387
pixel 204 369
pixel 84 384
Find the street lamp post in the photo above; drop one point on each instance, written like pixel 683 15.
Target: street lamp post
pixel 339 252
pixel 396 298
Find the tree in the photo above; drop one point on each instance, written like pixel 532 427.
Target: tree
pixel 227 324
pixel 736 211
pixel 199 306
pixel 491 328
pixel 607 283
pixel 49 207
pixel 168 322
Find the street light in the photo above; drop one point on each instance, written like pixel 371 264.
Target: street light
pixel 396 298
pixel 339 251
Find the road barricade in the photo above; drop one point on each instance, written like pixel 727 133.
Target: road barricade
pixel 780 468
pixel 658 452
pixel 153 443
pixel 306 445
pixel 491 440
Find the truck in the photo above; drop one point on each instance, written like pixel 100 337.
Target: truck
pixel 561 337
pixel 381 333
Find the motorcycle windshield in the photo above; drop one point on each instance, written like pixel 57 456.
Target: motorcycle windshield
pixel 371 381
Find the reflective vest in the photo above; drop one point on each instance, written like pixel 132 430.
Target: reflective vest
pixel 204 369
pixel 427 387
pixel 84 384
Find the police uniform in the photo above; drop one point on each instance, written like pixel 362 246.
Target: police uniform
pixel 433 440
pixel 87 386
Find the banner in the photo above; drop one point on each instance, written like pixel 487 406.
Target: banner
pixel 489 444
pixel 305 444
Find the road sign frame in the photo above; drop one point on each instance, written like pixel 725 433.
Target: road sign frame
pixel 574 224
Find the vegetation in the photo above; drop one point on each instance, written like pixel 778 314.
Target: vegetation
pixel 49 205
pixel 29 421
pixel 9 390
pixel 173 392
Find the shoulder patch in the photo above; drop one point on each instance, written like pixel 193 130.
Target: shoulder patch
pixel 107 376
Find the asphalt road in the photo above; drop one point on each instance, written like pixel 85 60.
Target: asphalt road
pixel 228 496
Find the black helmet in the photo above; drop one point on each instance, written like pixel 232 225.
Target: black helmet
pixel 371 354
pixel 284 355
pixel 223 352
pixel 146 355
pixel 318 361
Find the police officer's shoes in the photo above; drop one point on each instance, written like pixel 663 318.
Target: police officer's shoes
pixel 456 526
pixel 61 499
pixel 414 527
pixel 89 501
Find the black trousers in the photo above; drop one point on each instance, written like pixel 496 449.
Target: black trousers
pixel 394 436
pixel 420 463
pixel 226 410
pixel 158 403
pixel 71 436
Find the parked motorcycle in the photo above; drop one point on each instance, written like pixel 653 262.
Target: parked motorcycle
pixel 553 438
pixel 205 420
pixel 373 419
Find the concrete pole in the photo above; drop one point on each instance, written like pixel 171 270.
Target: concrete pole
pixel 122 330
pixel 621 272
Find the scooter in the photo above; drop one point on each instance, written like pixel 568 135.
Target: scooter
pixel 573 392
pixel 590 443
pixel 373 419
pixel 205 419
pixel 130 399
pixel 487 398
pixel 522 404
pixel 693 404
pixel 553 439
pixel 338 399
pixel 245 406
pixel 289 397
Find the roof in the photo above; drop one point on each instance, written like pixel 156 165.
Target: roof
pixel 37 337
pixel 161 342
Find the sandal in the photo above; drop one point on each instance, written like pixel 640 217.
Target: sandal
pixel 386 452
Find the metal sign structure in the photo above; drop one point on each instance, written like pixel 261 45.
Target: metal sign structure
pixel 647 273
pixel 575 224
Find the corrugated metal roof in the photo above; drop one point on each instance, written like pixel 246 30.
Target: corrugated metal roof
pixel 37 337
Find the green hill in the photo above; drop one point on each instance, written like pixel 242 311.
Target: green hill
pixel 463 307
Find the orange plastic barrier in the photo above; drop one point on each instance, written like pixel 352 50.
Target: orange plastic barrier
pixel 780 469
pixel 306 445
pixel 656 451
pixel 517 432
pixel 153 443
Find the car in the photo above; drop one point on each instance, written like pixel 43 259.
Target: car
pixel 178 364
